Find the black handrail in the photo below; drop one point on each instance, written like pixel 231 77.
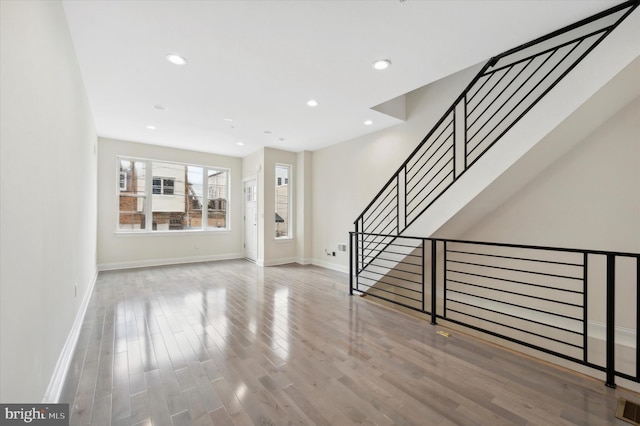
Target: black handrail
pixel 535 296
pixel 526 95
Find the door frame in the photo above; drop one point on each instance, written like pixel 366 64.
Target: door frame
pixel 244 217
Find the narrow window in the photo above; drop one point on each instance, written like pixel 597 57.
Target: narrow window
pixel 132 195
pixel 218 194
pixel 283 201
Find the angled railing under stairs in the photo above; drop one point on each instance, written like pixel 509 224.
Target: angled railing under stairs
pixel 501 94
pixel 531 296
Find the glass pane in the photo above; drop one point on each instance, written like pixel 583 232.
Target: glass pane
pixel 132 202
pixel 157 186
pixel 169 209
pixel 193 198
pixel 132 214
pixel 282 201
pixel 217 194
pixel 167 186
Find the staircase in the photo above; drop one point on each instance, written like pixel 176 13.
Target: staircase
pixel 503 119
pixel 497 106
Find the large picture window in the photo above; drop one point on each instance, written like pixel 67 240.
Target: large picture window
pixel 162 196
pixel 283 201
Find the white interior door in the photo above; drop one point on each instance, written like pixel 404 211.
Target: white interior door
pixel 251 220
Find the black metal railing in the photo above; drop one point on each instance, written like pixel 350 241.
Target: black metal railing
pixel 504 90
pixel 555 300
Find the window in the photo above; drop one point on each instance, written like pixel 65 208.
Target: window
pixel 163 186
pixel 123 181
pixel 283 201
pixel 178 194
pixel 217 189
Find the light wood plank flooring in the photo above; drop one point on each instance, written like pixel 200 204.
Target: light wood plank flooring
pixel 231 343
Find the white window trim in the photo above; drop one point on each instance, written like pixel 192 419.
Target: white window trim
pixel 289 184
pixel 148 231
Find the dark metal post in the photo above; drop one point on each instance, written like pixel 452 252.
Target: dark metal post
pixel 637 316
pixel 465 132
pixel 611 317
pixel 433 282
pixel 424 271
pixel 398 204
pixel 444 279
pixel 406 204
pixel 585 302
pixel 351 236
pixel 455 142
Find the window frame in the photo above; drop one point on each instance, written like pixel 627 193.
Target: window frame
pixel 288 182
pixel 148 197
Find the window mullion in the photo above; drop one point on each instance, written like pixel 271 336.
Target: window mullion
pixel 148 189
pixel 205 198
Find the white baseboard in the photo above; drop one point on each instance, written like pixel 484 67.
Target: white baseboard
pixel 276 262
pixel 54 390
pixel 623 336
pixel 167 261
pixel 329 265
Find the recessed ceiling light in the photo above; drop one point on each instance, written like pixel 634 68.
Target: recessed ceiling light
pixel 312 103
pixel 150 127
pixel 368 122
pixel 228 120
pixel 159 107
pixel 240 143
pixel 176 59
pixel 382 64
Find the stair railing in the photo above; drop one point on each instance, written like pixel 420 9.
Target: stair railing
pixel 558 301
pixel 503 92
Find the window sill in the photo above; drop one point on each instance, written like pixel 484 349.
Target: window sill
pixel 170 233
pixel 283 240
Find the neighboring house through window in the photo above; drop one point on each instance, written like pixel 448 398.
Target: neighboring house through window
pixel 123 181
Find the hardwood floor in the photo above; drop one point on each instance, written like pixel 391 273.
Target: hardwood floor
pixel 230 343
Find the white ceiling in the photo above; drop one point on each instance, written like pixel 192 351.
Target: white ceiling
pixel 259 62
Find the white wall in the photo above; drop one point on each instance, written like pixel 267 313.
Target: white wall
pixel 589 198
pixel 253 167
pixel 261 165
pixel 122 250
pixel 303 205
pixel 281 250
pixel 348 175
pixel 48 195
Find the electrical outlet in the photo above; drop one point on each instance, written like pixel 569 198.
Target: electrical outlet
pixel 342 247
